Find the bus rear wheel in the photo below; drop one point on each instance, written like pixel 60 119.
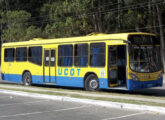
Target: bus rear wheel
pixel 27 79
pixel 91 83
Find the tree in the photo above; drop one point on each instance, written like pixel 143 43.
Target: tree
pixel 15 25
pixel 33 32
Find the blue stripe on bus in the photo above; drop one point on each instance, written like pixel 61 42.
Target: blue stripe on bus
pixel 103 83
pixel 78 81
pixel 12 77
pixel 60 81
pixel 134 85
pixel 70 81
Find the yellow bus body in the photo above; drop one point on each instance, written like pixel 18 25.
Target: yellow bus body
pixel 71 76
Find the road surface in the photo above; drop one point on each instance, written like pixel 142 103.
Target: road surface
pixel 25 108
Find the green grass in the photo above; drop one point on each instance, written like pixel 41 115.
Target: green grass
pixel 89 97
pixel 54 89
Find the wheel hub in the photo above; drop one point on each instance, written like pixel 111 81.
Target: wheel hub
pixel 27 81
pixel 93 84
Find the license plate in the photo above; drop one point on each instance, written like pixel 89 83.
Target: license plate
pixel 149 85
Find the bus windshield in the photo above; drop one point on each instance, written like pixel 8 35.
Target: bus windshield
pixel 145 58
pixel 144 53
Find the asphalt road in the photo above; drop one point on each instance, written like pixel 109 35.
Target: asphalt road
pixel 25 108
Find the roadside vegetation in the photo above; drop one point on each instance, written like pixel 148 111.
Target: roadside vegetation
pixel 22 20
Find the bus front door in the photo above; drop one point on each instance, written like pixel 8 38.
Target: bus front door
pixel 49 69
pixel 112 66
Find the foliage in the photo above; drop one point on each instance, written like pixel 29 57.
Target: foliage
pixel 15 25
pixel 27 19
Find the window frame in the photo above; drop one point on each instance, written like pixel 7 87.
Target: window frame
pixel 87 64
pixel 40 64
pixel 46 54
pixel 90 62
pixel 20 57
pixel 9 57
pixel 72 57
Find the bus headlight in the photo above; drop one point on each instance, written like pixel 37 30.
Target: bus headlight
pixel 134 77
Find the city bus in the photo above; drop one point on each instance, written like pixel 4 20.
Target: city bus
pixel 121 61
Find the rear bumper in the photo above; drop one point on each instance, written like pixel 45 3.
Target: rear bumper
pixel 2 76
pixel 134 85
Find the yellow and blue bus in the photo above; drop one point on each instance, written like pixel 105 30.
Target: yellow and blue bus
pixel 125 61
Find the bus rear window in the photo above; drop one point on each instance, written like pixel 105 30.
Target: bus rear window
pixel 9 54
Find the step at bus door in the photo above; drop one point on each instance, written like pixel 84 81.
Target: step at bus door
pixel 112 66
pixel 49 66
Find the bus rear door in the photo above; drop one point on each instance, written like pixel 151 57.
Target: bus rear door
pixel 49 69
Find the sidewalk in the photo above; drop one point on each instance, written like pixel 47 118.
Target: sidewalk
pixel 86 94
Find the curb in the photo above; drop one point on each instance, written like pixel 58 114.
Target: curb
pixel 88 101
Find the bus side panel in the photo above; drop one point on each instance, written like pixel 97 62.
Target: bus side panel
pixel 12 77
pixel 37 79
pixel 6 70
pixel 70 81
pixel 13 71
pixel 79 82
pixel 74 76
pixel 103 83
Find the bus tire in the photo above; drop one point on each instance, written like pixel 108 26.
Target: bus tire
pixel 27 79
pixel 92 83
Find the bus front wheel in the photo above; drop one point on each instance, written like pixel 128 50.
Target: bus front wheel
pixel 91 83
pixel 27 79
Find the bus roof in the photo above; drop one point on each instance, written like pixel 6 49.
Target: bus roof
pixel 90 37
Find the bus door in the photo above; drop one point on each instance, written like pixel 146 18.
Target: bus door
pixel 112 66
pixel 49 69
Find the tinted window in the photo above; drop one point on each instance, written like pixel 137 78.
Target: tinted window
pixel 65 55
pixel 21 54
pixel 97 54
pixel 46 57
pixel 35 55
pixel 49 60
pixel 144 39
pixel 81 55
pixel 53 53
pixel 9 54
pixel 112 56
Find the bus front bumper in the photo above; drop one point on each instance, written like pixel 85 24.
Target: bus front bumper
pixel 134 85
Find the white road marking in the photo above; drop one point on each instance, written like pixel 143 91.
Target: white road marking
pixel 40 112
pixel 23 103
pixel 125 116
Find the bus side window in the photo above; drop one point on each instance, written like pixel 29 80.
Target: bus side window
pixel 65 55
pixel 97 54
pixel 21 54
pixel 81 55
pixel 9 54
pixel 35 55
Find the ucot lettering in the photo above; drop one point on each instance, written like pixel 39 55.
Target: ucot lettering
pixel 70 72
